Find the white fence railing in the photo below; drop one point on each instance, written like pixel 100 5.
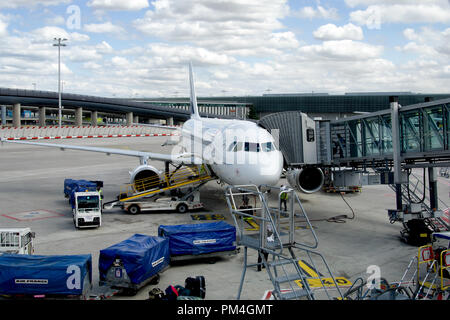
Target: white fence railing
pixel 73 132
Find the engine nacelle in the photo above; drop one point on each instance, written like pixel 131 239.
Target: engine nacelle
pixel 307 180
pixel 145 177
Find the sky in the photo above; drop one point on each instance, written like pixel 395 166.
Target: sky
pixel 141 48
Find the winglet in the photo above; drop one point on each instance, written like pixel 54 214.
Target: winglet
pixel 193 102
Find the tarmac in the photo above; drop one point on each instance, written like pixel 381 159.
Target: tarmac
pixel 31 195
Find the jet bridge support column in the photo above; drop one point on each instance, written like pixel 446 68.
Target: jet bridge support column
pixel 433 188
pixel 396 150
pixel 17 115
pixel 42 116
pixel 3 115
pixel 129 118
pixel 79 116
pixel 94 116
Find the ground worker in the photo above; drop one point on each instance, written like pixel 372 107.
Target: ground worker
pixel 284 196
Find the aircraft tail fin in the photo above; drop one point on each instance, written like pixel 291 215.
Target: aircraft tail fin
pixel 193 103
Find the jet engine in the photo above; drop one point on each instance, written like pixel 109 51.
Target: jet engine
pixel 145 177
pixel 307 180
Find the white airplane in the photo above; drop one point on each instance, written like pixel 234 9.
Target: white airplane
pixel 238 152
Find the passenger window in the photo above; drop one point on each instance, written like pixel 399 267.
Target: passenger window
pixel 310 135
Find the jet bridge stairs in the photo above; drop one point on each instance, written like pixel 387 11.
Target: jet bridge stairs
pixel 292 265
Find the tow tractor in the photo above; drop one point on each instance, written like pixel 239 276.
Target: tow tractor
pixel 85 199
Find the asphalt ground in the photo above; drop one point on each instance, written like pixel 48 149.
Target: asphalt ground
pixel 31 180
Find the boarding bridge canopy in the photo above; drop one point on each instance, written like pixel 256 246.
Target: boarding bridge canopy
pixel 424 135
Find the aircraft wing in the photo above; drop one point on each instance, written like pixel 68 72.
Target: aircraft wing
pixel 160 126
pixel 184 158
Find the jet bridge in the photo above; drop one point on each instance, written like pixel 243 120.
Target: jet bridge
pixel 359 141
pixel 392 143
pixel 375 148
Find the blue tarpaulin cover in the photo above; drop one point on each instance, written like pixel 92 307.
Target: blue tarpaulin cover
pixel 199 238
pixel 34 274
pixel 142 257
pixel 71 186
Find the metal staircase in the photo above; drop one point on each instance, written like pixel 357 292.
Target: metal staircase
pixel 416 192
pixel 292 266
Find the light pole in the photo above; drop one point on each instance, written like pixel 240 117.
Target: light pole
pixel 59 44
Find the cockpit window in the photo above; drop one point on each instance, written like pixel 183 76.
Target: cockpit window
pixel 235 146
pixel 231 147
pixel 252 147
pixel 268 147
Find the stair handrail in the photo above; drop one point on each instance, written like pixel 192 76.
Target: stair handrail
pixel 311 252
pixel 429 269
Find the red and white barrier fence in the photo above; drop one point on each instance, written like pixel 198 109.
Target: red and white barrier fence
pixel 81 132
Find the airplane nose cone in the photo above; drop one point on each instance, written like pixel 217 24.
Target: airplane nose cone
pixel 268 170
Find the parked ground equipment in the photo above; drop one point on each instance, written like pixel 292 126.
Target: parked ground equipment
pixel 203 240
pixel 172 190
pixel 174 203
pixel 16 240
pixel 85 199
pixel 37 276
pixel 133 263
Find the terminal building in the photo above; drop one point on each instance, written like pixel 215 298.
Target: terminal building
pixel 328 107
pixel 28 107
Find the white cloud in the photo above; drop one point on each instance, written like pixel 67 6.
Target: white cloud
pixel 428 43
pixel 333 32
pixel 106 27
pixel 376 15
pixel 30 3
pixel 56 20
pixel 234 27
pixel 3 26
pixel 355 3
pixel 317 13
pixel 47 35
pixel 342 50
pixel 118 5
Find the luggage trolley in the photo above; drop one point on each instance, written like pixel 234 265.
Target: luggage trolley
pixel 133 263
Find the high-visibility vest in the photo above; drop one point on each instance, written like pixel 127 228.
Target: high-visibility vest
pixel 284 196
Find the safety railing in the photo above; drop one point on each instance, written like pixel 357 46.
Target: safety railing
pixel 445 266
pixel 71 132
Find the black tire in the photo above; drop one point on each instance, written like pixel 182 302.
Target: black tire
pixel 155 280
pixel 134 209
pixel 182 208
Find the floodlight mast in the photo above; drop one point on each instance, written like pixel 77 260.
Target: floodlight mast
pixel 59 44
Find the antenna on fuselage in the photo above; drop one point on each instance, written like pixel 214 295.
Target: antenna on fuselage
pixel 193 102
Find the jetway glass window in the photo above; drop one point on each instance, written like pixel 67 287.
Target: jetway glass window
pixel 386 134
pixel 410 131
pixel 355 136
pixel 447 124
pixel 433 121
pixel 372 136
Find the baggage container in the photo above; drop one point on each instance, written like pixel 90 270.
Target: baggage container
pixel 60 276
pixel 199 239
pixel 134 262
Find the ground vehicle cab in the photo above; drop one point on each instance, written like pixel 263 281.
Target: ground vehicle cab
pixel 16 240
